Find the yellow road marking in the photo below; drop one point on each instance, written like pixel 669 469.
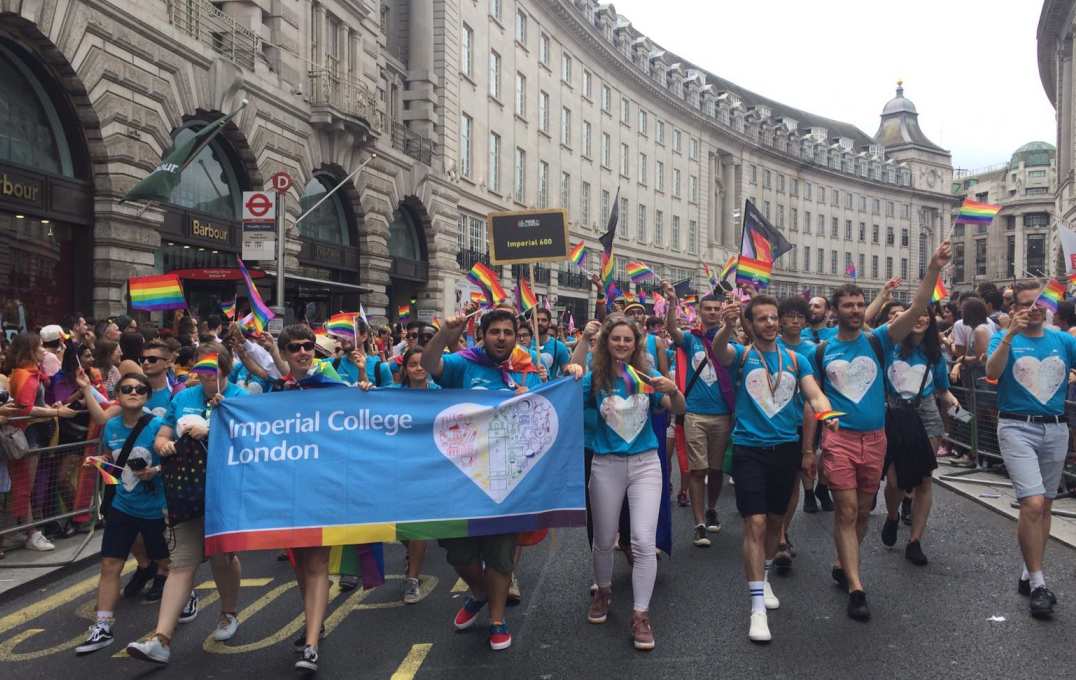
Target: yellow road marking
pixel 203 600
pixel 460 586
pixel 412 662
pixel 243 583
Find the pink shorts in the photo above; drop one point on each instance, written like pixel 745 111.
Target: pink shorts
pixel 853 460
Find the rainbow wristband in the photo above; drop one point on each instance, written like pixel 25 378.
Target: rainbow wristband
pixel 828 415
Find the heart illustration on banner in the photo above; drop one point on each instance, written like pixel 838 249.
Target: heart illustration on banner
pixel 626 417
pixel 707 375
pixel 759 388
pixel 1041 378
pixel 852 379
pixel 497 447
pixel 906 378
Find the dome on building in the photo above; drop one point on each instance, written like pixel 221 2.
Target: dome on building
pixel 899 104
pixel 1033 153
pixel 900 125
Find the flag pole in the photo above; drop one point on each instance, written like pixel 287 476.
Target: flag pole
pixel 332 191
pixel 534 310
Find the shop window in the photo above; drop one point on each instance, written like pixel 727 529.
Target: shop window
pixel 403 237
pixel 209 184
pixel 329 222
pixel 30 131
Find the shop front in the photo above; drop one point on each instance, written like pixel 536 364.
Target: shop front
pixel 410 269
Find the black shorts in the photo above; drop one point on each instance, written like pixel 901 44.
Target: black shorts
pixel 765 477
pixel 122 529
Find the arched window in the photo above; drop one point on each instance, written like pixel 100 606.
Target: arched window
pixel 403 237
pixel 329 222
pixel 30 130
pixel 209 184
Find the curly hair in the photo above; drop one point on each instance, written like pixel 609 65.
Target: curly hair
pixel 602 363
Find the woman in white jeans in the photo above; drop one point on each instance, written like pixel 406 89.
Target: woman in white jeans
pixel 623 394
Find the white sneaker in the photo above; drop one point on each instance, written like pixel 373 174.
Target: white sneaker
pixel 38 542
pixel 769 598
pixel 150 649
pixel 760 628
pixel 227 624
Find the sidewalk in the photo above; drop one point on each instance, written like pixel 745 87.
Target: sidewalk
pixel 12 577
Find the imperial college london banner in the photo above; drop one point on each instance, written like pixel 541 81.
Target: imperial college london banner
pixel 339 466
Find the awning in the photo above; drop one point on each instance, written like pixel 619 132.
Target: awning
pixel 338 285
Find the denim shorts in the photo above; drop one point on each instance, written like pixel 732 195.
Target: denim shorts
pixel 1034 455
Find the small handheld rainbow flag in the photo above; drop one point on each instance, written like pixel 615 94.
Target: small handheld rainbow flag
pixel 756 272
pixel 228 308
pixel 484 277
pixel 689 299
pixel 207 365
pixel 403 314
pixel 632 382
pixel 828 415
pixel 974 212
pixel 715 283
pixel 479 297
pixel 1051 295
pixel 727 268
pixel 526 299
pixel 939 293
pixel 342 323
pixel 260 310
pixel 107 477
pixel 1072 279
pixel 151 293
pixel 638 272
pixel 578 254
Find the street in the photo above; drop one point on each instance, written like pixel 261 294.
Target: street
pixel 929 622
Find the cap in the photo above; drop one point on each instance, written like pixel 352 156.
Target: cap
pixel 632 305
pixel 52 333
pixel 325 345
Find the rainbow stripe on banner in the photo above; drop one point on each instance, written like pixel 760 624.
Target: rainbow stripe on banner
pixel 578 254
pixel 150 293
pixel 974 212
pixel 207 365
pixel 342 324
pixel 755 272
pixel 260 311
pixel 638 272
pixel 486 279
pixel 1052 295
pixel 939 293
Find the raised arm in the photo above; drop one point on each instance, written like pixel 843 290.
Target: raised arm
pixel 725 352
pixel 447 336
pixel 903 324
pixel 670 312
pixel 995 365
pixel 879 301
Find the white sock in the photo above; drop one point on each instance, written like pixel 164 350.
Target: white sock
pixel 1025 576
pixel 105 617
pixel 766 571
pixel 758 604
pixel 1037 579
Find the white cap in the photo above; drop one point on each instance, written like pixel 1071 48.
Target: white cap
pixel 52 333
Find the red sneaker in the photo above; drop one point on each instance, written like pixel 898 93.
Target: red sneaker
pixel 499 637
pixel 468 613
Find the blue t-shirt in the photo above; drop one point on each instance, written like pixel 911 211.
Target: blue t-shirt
pixel 652 349
pixel 806 349
pixel 461 373
pixel 766 417
pixel 905 374
pixel 158 401
pixel 192 402
pixel 1035 379
pixel 622 421
pixel 349 372
pixel 817 336
pixel 133 496
pixel 430 385
pixel 555 356
pixel 854 380
pixel 705 396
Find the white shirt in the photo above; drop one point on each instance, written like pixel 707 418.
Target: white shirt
pixel 261 357
pixel 962 333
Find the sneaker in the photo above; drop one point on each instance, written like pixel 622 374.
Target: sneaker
pixel 299 644
pixel 857 606
pixel 1042 603
pixel 100 636
pixel 701 539
pixel 783 559
pixel 906 511
pixel 839 576
pixel 139 579
pixel 914 554
pixel 769 598
pixel 889 532
pixel 499 637
pixel 599 605
pixel 641 633
pixel 412 590
pixel 227 624
pixel 514 596
pixel 190 610
pixel 810 503
pixel 682 499
pixel 38 542
pixel 824 500
pixel 150 649
pixel 347 584
pixel 1023 586
pixel 154 592
pixel 760 628
pixel 468 613
pixel 308 663
pixel 713 524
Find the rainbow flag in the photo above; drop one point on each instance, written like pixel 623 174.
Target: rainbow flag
pixel 939 293
pixel 689 299
pixel 260 310
pixel 632 382
pixel 479 297
pixel 526 300
pixel 828 415
pixel 756 272
pixel 486 279
pixel 727 268
pixel 342 324
pixel 974 212
pixel 150 293
pixel 362 315
pixel 403 314
pixel 578 254
pixel 1072 279
pixel 108 478
pixel 247 327
pixel 207 365
pixel 1051 295
pixel 638 272
pixel 228 308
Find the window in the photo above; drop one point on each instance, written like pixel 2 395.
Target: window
pixel 889 239
pixel 659 131
pixel 780 216
pixel 862 270
pixel 767 179
pixel 905 211
pixel 766 209
pixel 467 52
pixel 795 215
pixel 566 126
pixel 625 227
pixel 821 194
pixel 543 111
pixel 862 204
pixel 807 191
pixel 607 95
pixel 640 225
pixel 1010 256
pixel 874 234
pixel 659 176
pixel 1035 254
pixel 543 184
pixel 519 188
pixel 889 208
pixel 521 95
pixel 848 230
pixel 847 200
pixel 833 262
pixel 674 233
pixel 566 68
pixel 753 174
pixel 821 260
pixel 874 266
pixel 587 84
pixel 495 9
pixel 521 28
pixel 494 181
pixel 605 206
pixel 904 263
pixel 677 138
pixel 1037 220
pixel 584 203
pixel 642 121
pixel 625 162
pixel 904 237
pixel 642 168
pixel 889 267
pixel 565 191
pixel 466 129
pixel 806 222
pixel 693 188
pixel 676 182
pixel 625 111
pixel 821 224
pixel 835 198
pixel 958 261
pixel 543 49
pixel 807 258
pixel 834 228
pixel 692 237
pixel 793 187
pixel 587 134
pixel 606 143
pixel 494 75
pixel 876 206
pixel 780 183
pixel 659 228
pixel 692 149
pixel 924 246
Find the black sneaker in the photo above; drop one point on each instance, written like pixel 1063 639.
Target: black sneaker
pixel 906 511
pixel 308 663
pixel 1042 603
pixel 348 583
pixel 701 540
pixel 914 554
pixel 1023 586
pixel 824 501
pixel 153 593
pixel 713 524
pixel 839 576
pixel 190 610
pixel 139 579
pixel 300 642
pixel 889 532
pixel 857 606
pixel 810 504
pixel 100 636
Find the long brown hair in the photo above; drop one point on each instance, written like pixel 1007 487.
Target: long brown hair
pixel 602 363
pixel 22 353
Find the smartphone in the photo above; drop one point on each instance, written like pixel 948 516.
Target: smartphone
pixel 137 464
pixel 961 414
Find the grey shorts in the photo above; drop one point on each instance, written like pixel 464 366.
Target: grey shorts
pixel 931 417
pixel 1034 455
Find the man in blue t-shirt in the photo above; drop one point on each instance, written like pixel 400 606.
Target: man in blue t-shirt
pixel 852 372
pixel 1031 364
pixel 553 353
pixel 818 328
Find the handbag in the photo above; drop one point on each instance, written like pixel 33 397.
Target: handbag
pixel 184 480
pixel 907 444
pixel 13 442
pixel 121 462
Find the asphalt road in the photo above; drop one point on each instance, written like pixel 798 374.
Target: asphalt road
pixel 929 622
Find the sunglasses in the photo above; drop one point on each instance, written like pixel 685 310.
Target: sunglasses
pixel 412 336
pixel 151 360
pixel 134 389
pixel 297 346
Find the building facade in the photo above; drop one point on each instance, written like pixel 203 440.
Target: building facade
pixel 1054 46
pixel 470 107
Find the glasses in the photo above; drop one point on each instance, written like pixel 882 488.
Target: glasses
pixel 304 346
pixel 151 360
pixel 134 389
pixel 412 336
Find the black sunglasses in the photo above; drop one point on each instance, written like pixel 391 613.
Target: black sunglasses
pixel 151 360
pixel 134 389
pixel 296 346
pixel 412 336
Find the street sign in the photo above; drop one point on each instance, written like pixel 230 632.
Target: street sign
pixel 259 241
pixel 259 206
pixel 528 236
pixel 281 182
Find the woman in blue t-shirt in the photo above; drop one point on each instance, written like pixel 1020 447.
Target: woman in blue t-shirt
pixel 624 394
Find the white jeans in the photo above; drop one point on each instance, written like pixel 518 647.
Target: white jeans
pixel 639 477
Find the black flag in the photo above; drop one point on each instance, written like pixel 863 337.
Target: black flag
pixel 610 231
pixel 753 220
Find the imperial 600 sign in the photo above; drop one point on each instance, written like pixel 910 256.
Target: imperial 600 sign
pixel 530 236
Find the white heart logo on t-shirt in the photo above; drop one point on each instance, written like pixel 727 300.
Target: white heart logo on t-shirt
pixel 547 360
pixel 906 378
pixel 771 403
pixel 708 375
pixel 852 379
pixel 1041 378
pixel 626 417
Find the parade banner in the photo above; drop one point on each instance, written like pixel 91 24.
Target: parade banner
pixel 340 466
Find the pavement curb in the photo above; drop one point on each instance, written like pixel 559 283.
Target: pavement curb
pixel 42 580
